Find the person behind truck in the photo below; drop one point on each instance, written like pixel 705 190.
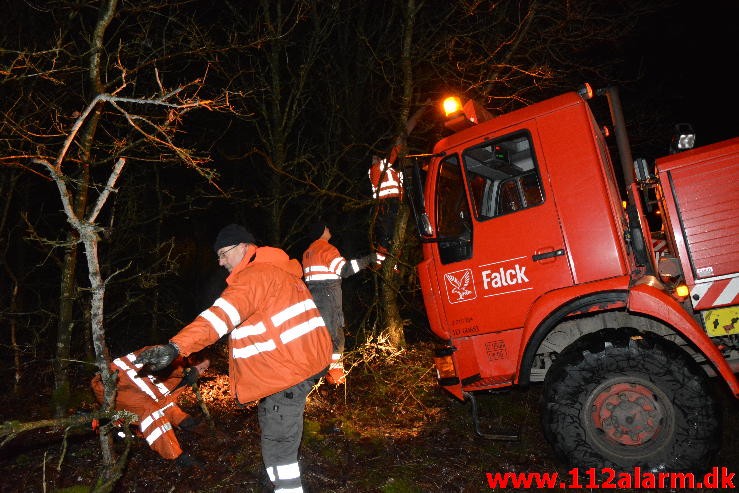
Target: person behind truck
pixel 278 344
pixel 153 397
pixel 323 269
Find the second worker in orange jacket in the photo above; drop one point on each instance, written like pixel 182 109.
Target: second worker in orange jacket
pixel 323 269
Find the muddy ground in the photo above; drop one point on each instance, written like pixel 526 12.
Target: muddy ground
pixel 390 429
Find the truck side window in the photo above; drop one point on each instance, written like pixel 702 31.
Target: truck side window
pixel 531 188
pixel 502 176
pixel 453 223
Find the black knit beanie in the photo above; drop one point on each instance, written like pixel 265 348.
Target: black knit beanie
pixel 315 230
pixel 233 234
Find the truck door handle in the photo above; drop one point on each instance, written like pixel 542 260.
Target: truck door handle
pixel 546 255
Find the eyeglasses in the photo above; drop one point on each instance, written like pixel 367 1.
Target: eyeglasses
pixel 222 255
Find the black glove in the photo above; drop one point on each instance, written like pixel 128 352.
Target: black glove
pixel 158 357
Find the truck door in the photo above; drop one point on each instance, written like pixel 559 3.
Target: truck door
pixel 500 244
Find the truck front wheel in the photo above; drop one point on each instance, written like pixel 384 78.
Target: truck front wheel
pixel 621 399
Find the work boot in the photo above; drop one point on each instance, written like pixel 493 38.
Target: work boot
pixel 186 461
pixel 188 423
pixel 264 483
pixel 202 428
pixel 336 376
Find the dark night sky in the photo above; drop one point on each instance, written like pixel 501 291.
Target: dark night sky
pixel 689 56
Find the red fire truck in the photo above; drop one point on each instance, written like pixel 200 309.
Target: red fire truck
pixel 538 266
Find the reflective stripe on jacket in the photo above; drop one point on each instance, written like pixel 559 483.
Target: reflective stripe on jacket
pixel 323 262
pixel 385 180
pixel 277 336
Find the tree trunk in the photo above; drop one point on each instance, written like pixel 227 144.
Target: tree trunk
pixel 275 211
pixel 67 297
pixel 276 118
pixel 69 288
pixel 13 306
pixel 87 231
pixel 389 289
pixel 393 280
pixel 7 188
pixel 154 325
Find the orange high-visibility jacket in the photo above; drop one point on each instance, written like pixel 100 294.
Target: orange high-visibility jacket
pixel 386 181
pixel 323 262
pixel 277 337
pixel 152 398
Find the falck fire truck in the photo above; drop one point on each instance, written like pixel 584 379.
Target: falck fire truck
pixel 538 266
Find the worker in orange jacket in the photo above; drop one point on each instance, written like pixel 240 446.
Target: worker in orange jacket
pixel 323 269
pixel 387 189
pixel 278 344
pixel 154 399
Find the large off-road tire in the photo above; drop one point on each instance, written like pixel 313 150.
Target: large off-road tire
pixel 620 399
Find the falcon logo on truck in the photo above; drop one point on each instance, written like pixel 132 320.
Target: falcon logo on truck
pixel 460 286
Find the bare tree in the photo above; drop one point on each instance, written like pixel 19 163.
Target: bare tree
pixel 287 161
pixel 127 115
pixel 86 226
pixel 97 50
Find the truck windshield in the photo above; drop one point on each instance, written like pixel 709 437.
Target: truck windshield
pixel 502 176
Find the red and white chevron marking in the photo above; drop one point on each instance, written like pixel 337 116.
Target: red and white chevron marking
pixel 721 292
pixel 659 246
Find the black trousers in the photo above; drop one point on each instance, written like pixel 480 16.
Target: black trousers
pixel 328 298
pixel 385 224
pixel 281 423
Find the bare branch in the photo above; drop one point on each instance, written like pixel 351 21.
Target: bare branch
pixel 115 173
pixel 64 193
pixel 11 429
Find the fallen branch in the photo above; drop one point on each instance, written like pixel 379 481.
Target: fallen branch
pixel 11 429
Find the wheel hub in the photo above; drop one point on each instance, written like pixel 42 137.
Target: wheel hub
pixel 627 413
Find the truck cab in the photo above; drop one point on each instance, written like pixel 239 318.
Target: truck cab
pixel 536 260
